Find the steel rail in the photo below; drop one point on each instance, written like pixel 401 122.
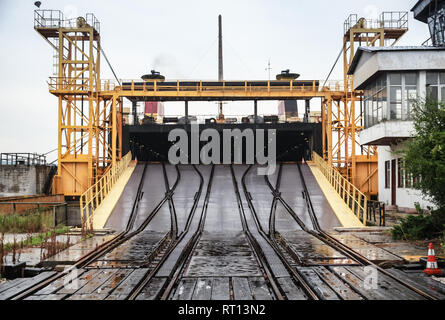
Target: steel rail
pixel 328 239
pixel 90 256
pixel 296 275
pixel 254 243
pixel 320 234
pixel 192 243
pixel 149 276
pixel 107 246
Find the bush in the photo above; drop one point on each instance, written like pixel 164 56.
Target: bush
pixel 421 227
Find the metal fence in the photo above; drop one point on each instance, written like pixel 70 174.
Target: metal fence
pixel 387 20
pixel 376 213
pixel 56 19
pixel 59 209
pixel 28 159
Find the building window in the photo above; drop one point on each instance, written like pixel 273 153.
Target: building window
pixel 388 174
pixel 375 101
pixel 403 93
pixel 401 173
pixel 435 84
pixel 398 89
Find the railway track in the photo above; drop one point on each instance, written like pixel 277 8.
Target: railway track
pixel 153 261
pixel 280 287
pixel 288 255
pixel 270 268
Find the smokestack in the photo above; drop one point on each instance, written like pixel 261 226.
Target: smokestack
pixel 220 51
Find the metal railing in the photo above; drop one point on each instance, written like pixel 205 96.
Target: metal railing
pixel 28 159
pixel 376 213
pixel 58 209
pixel 77 84
pixel 56 19
pixel 91 199
pixel 387 20
pixel 71 84
pixel 353 197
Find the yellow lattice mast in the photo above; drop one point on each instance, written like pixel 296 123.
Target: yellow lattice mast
pixel 87 123
pixel 343 119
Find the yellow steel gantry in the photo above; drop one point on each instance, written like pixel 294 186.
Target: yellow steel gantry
pixel 90 110
pixel 342 120
pixel 86 119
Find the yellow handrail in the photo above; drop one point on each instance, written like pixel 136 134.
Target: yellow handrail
pixel 91 199
pixel 352 196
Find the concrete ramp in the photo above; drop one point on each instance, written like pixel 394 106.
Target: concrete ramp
pixel 103 212
pixel 318 185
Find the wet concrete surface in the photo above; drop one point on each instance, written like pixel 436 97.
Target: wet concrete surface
pixel 371 252
pixel 323 210
pixel 185 193
pixel 223 255
pixel 32 256
pixel 312 251
pixel 72 254
pixel 119 217
pixel 133 253
pixel 154 191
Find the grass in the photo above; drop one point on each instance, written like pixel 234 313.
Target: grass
pixel 36 240
pixel 39 222
pixel 33 222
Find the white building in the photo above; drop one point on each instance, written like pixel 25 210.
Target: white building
pixel 392 77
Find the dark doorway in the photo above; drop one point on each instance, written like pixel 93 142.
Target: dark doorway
pixel 393 183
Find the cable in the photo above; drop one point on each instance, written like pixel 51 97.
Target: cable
pixel 333 67
pixel 109 64
pixel 202 57
pixel 243 63
pixel 50 151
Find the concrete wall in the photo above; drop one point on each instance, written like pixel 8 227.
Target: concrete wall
pixel 22 180
pixel 406 198
pixel 420 60
pixel 393 129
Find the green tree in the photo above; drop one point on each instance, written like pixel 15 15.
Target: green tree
pixel 425 153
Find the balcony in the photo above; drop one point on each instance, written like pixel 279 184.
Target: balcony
pixel 387 133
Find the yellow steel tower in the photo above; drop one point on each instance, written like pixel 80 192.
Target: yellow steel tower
pixel 88 124
pixel 343 119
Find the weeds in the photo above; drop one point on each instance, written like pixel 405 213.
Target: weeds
pixel 29 223
pixel 425 226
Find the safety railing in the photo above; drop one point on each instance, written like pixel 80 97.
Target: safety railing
pixel 56 19
pixel 71 84
pixel 135 85
pixel 387 20
pixel 352 196
pixel 376 213
pixel 28 159
pixel 91 199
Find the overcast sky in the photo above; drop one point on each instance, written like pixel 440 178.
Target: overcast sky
pixel 178 38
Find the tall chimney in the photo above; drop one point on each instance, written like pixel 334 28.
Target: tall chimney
pixel 220 51
pixel 220 65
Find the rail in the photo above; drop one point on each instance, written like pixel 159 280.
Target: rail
pixel 28 159
pixel 387 20
pixel 179 86
pixel 55 19
pixel 91 199
pixel 352 196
